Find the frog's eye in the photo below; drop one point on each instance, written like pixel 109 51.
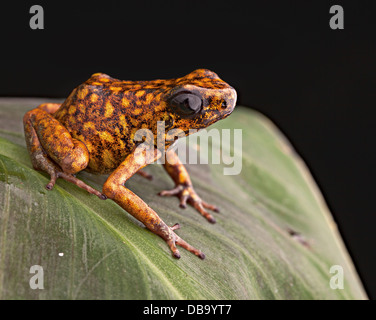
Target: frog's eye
pixel 186 103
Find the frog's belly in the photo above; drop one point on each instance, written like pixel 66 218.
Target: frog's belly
pixel 103 164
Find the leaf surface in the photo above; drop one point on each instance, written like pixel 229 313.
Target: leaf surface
pixel 274 237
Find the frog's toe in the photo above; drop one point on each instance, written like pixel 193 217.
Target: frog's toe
pixel 173 192
pixel 180 242
pixel 210 206
pixel 175 241
pixel 52 182
pixel 183 200
pixel 198 205
pixel 187 194
pixel 176 226
pixel 145 174
pixel 79 183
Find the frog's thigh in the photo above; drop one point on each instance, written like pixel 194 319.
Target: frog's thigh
pixel 38 156
pixel 52 149
pixel 44 133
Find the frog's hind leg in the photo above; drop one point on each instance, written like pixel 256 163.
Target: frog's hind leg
pixel 53 150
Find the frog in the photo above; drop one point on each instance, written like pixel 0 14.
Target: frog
pixel 95 130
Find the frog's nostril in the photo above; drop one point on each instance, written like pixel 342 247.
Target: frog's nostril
pixel 224 104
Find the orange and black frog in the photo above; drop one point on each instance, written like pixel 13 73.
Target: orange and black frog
pixel 95 129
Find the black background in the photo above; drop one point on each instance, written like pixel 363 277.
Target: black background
pixel 315 83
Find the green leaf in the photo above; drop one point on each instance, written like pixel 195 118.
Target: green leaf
pixel 274 237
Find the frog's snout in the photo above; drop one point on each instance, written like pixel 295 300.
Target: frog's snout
pixel 232 98
pixel 221 108
pixel 229 103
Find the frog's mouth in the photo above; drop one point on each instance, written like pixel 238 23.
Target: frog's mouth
pixel 227 113
pixel 213 116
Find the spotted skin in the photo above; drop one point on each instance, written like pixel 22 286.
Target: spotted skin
pixel 94 130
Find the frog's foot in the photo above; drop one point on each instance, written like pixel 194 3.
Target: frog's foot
pixel 71 178
pixel 145 174
pixel 188 194
pixel 174 240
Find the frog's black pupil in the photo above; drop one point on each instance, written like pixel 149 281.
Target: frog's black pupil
pixel 187 103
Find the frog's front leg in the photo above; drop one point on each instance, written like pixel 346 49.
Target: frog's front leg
pixel 114 189
pixel 52 149
pixel 183 187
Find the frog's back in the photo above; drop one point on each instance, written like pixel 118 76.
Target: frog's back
pixel 104 113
